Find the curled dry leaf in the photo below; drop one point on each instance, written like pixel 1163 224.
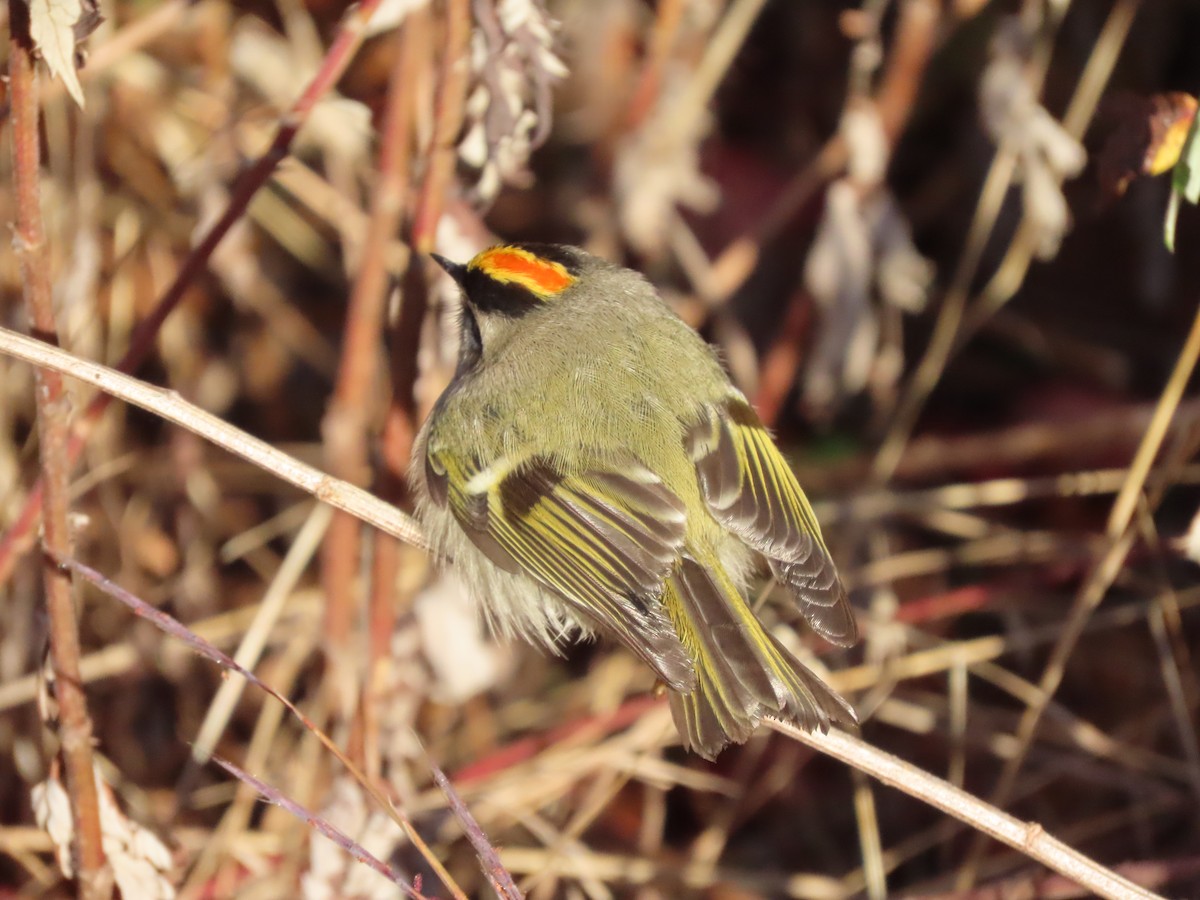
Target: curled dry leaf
pixel 332 872
pixel 657 169
pixel 1014 117
pixel 508 112
pixel 1189 544
pixel 863 248
pixel 1145 136
pixel 57 27
pixel 139 860
pixel 465 661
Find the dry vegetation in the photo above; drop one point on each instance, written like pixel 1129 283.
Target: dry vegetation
pixel 980 375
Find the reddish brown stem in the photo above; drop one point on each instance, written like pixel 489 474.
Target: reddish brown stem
pixel 400 427
pixel 777 373
pixel 17 539
pixel 453 80
pixel 916 37
pixel 902 76
pixel 667 21
pixel 345 427
pixel 74 724
pixel 453 77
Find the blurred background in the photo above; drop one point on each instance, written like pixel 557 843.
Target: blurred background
pixel 928 239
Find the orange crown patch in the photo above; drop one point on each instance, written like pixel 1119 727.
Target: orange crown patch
pixel 513 265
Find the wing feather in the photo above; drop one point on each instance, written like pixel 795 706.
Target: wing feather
pixel 750 489
pixel 604 540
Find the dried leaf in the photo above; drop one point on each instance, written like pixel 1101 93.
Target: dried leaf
pixel 139 860
pixel 1144 136
pixel 1185 180
pixel 332 871
pixel 1014 117
pixel 464 660
pixel 508 111
pixel 863 248
pixel 56 26
pixel 1169 130
pixel 1189 544
pixel 657 171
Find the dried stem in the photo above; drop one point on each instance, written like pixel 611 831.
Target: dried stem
pixel 402 417
pixel 667 19
pixel 171 407
pixel 453 79
pixel 501 881
pixel 719 54
pixel 1121 536
pixel 142 342
pixel 321 826
pixel 173 627
pixel 386 595
pixel 345 425
pixel 947 334
pixel 74 724
pixel 1027 837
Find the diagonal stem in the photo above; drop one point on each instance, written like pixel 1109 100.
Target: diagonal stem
pixel 17 539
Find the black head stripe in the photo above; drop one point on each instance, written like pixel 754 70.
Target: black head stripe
pixel 567 257
pixel 491 296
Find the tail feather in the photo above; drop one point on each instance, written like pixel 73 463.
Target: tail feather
pixel 743 673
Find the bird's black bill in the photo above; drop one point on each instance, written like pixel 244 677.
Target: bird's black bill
pixel 457 271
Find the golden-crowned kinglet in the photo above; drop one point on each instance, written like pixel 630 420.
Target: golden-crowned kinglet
pixel 591 467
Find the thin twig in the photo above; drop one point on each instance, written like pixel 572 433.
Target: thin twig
pixel 722 48
pixel 254 641
pixel 321 826
pixel 176 629
pixel 53 411
pixel 1121 540
pixel 344 427
pixel 403 416
pixel 1027 837
pixel 453 79
pixel 170 406
pixel 142 341
pixel 387 593
pixel 497 875
pixel 667 20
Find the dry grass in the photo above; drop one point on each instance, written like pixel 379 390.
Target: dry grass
pixel 982 377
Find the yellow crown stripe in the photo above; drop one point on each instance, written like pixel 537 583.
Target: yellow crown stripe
pixel 512 265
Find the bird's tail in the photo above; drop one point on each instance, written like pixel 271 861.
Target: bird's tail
pixel 742 671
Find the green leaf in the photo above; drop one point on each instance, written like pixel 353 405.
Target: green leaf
pixel 1185 182
pixel 1187 170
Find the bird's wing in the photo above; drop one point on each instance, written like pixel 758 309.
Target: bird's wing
pixel 604 540
pixel 751 490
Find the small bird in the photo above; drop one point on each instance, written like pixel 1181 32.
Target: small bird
pixel 591 468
